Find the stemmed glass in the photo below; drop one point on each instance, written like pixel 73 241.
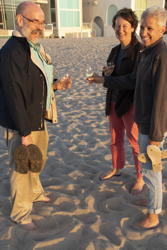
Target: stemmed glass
pixel 110 67
pixel 67 79
pixel 67 84
pixel 89 72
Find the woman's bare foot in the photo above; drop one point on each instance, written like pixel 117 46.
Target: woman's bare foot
pixel 150 221
pixel 114 172
pixel 138 186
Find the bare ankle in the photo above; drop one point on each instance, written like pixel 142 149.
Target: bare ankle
pixel 140 179
pixel 116 170
pixel 153 217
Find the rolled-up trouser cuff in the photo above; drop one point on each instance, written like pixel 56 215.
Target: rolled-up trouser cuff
pixel 152 179
pixel 25 221
pixel 154 211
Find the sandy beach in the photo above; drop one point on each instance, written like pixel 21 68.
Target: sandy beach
pixel 86 213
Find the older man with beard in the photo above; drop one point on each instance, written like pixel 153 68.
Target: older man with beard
pixel 26 94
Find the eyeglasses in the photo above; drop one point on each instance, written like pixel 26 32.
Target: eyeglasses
pixel 34 21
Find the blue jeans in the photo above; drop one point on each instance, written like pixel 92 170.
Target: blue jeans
pixel 152 179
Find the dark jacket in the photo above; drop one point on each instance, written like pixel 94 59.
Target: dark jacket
pixel 151 91
pixel 125 96
pixel 149 79
pixel 22 88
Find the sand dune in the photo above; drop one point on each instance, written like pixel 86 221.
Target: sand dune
pixel 86 214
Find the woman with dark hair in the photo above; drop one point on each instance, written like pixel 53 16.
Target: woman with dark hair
pixel 119 103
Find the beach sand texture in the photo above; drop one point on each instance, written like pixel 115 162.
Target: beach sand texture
pixel 86 214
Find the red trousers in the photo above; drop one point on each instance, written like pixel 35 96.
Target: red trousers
pixel 118 127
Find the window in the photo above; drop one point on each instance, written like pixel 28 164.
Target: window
pixel 0 16
pixel 69 13
pixel 140 6
pixel 69 4
pixel 52 3
pixel 52 9
pixel 110 13
pixel 70 19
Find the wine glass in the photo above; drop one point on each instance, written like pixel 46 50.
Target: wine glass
pixel 110 67
pixel 68 82
pixel 89 72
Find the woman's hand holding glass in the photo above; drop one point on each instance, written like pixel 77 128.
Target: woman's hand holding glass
pixel 95 78
pixel 107 71
pixel 92 77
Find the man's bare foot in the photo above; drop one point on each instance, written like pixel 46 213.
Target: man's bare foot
pixel 45 199
pixel 28 226
pixel 114 172
pixel 138 186
pixel 149 222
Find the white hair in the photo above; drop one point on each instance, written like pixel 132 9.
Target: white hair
pixel 156 12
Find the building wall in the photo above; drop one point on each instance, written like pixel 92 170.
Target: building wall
pixel 91 11
pixel 160 3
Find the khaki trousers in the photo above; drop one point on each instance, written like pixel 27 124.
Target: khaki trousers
pixel 25 188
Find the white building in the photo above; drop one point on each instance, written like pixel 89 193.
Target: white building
pixel 65 15
pixel 99 13
pixel 75 18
